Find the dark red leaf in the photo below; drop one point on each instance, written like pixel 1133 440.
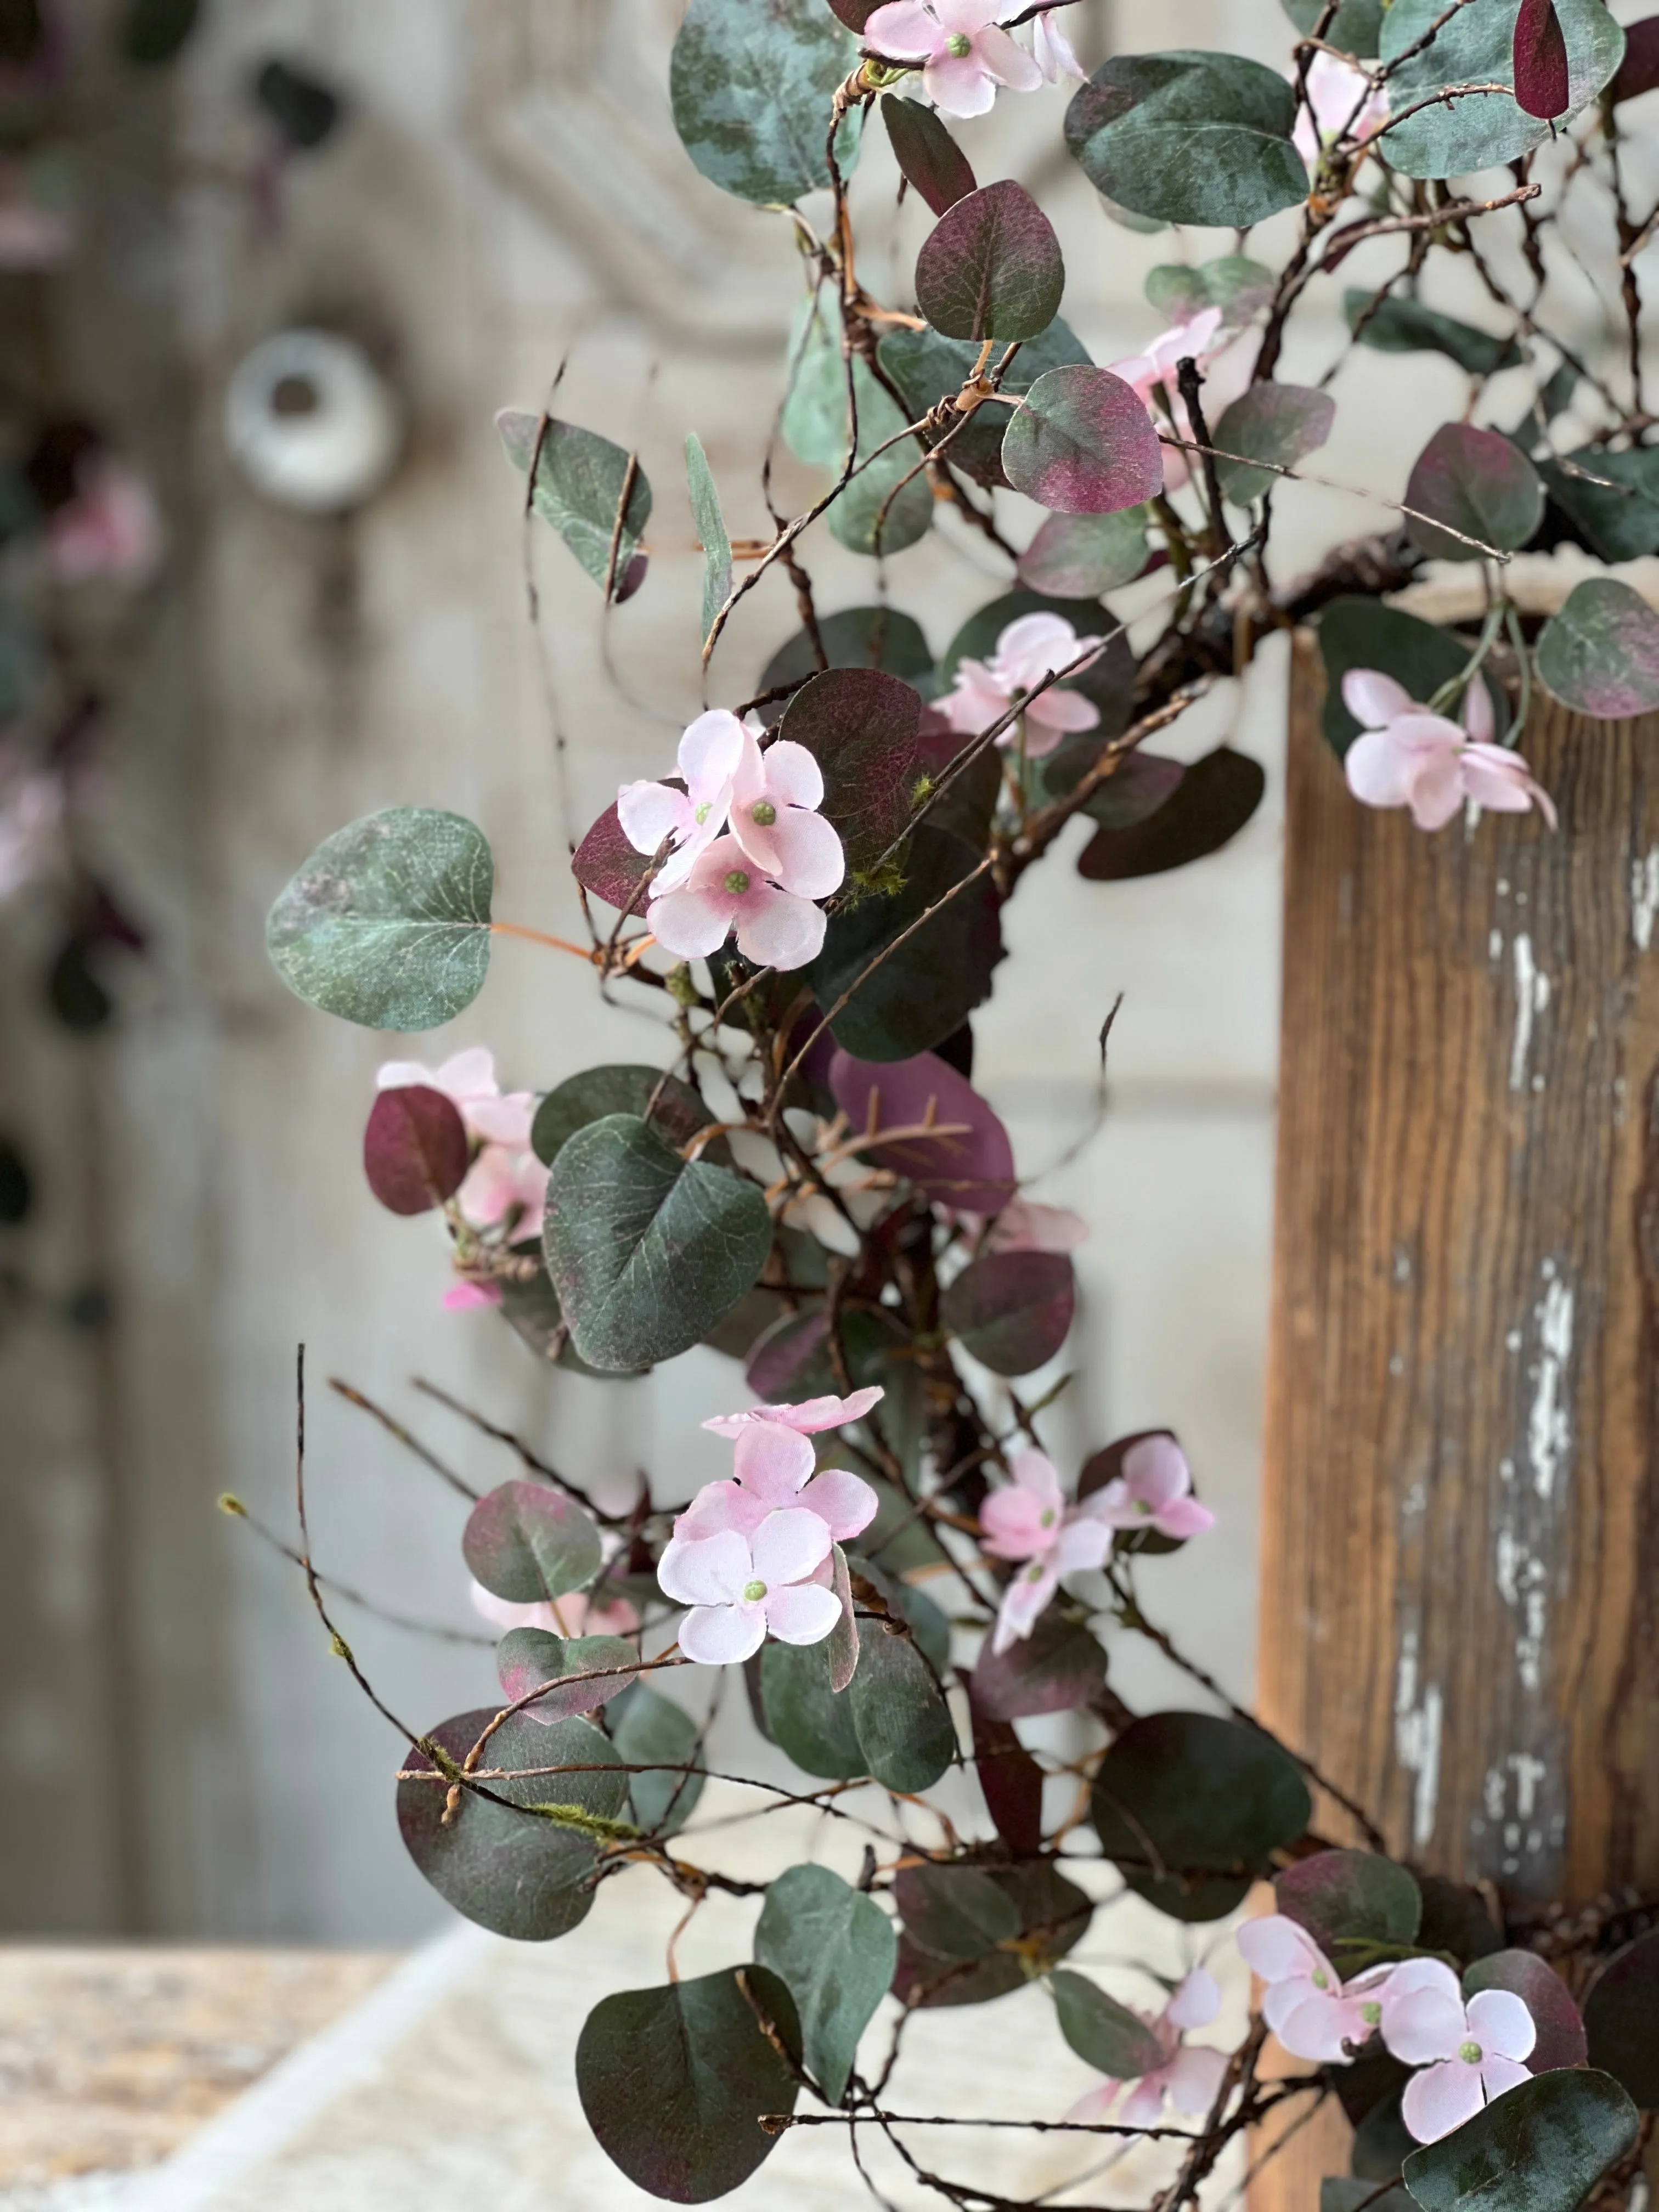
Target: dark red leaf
pixel 1622 2015
pixel 855 13
pixel 1639 71
pixel 861 728
pixel 926 153
pixel 968 1165
pixel 1057 1666
pixel 1012 1781
pixel 1012 1310
pixel 1084 444
pixel 1561 2039
pixel 1540 61
pixel 415 1148
pixel 605 864
pixel 992 267
pixel 1212 803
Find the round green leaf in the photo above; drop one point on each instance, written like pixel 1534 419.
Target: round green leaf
pixel 1081 555
pixel 645 1726
pixel 991 267
pixel 1137 787
pixel 387 924
pixel 750 83
pixel 927 368
pixel 1105 2034
pixel 1083 443
pixel 1481 131
pixel 904 1725
pixel 1600 653
pixel 1540 2147
pixel 1233 282
pixel 1406 325
pixel 712 533
pixel 861 728
pixel 1060 1666
pixel 528 1542
pixel 856 637
pixel 807 1720
pixel 1277 423
pixel 1193 1806
pixel 1612 499
pixel 1621 2016
pixel 521 1874
pixel 1012 1310
pixel 1053 1917
pixel 678 1114
pixel 834 1951
pixel 1188 138
pixel 1351 1897
pixel 1356 29
pixel 647 1251
pixel 1477 481
pixel 586 486
pixel 588 1670
pixel 674 2082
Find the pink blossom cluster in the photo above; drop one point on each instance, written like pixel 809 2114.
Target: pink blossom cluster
pixel 748 849
pixel 1030 1522
pixel 1189 2078
pixel 1340 101
pixel 1467 2052
pixel 753 1555
pixel 1029 648
pixel 963 51
pixel 506 1185
pixel 1407 755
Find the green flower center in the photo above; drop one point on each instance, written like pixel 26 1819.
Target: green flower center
pixel 737 882
pixel 753 1593
pixel 959 45
pixel 1321 1980
pixel 1371 2015
pixel 1141 1505
pixel 764 815
pixel 1047 1520
pixel 702 814
pixel 1034 1572
pixel 1470 2053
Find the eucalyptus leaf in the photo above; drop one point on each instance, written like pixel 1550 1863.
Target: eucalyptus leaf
pixel 904 1725
pixel 1357 26
pixel 387 924
pixel 528 1543
pixel 750 83
pixel 955 1911
pixel 1189 137
pixel 1599 654
pixel 814 423
pixel 1052 1917
pixel 857 637
pixel 1408 326
pixel 583 483
pixel 1561 2040
pixel 1232 282
pixel 834 1951
pixel 1621 2017
pixel 1612 499
pixel 1540 2147
pixel 645 1726
pixel 1277 423
pixel 928 157
pixel 927 368
pixel 1214 799
pixel 1011 1310
pixel 712 533
pixel 1476 46
pixel 521 1873
pixel 860 726
pixel 991 267
pixel 415 1149
pixel 807 1719
pixel 1083 443
pixel 671 1107
pixel 588 1671
pixel 674 2082
pixel 1481 486
pixel 1351 1897
pixel 1058 1668
pixel 1081 555
pixel 647 1252
pixel 1104 2034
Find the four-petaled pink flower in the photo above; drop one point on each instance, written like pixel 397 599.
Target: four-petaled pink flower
pixel 1308 2005
pixel 1153 1492
pixel 1188 2079
pixel 775 794
pixel 1028 650
pixel 726 890
pixel 1154 375
pixel 810 1416
pixel 742 1588
pixel 1029 1521
pixel 1407 755
pixel 775 1468
pixel 112 528
pixel 1469 2052
pixel 965 52
pixel 1051 49
pixel 709 753
pixel 1341 101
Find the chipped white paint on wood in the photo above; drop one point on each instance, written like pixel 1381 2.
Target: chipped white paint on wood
pixel 1643 898
pixel 1532 996
pixel 1417 1738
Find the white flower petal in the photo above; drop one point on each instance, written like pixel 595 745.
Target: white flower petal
pixel 802 1613
pixel 722 1635
pixel 709 1571
pixel 788 1545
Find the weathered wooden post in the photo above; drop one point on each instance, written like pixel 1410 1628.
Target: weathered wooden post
pixel 1460 1553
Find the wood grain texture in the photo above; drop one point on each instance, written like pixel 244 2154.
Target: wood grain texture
pixel 1461 1518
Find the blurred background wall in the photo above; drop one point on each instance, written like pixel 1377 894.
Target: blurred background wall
pixel 504 195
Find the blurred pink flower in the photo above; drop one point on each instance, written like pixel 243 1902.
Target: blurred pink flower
pixel 575 1616
pixel 1028 649
pixel 1407 755
pixel 467 1296
pixel 724 890
pixel 1188 2079
pixel 709 752
pixel 1469 2052
pixel 1051 49
pixel 1308 2007
pixel 1029 1521
pixel 775 798
pixel 1201 338
pixel 1022 1225
pixel 743 1588
pixel 775 1468
pixel 31 818
pixel 469 1078
pixel 810 1416
pixel 504 1188
pixel 965 52
pixel 1341 100
pixel 34 233
pixel 1153 1492
pixel 112 528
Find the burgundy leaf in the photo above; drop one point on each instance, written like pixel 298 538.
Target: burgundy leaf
pixel 1083 443
pixel 992 267
pixel 1540 61
pixel 1012 1781
pixel 1477 483
pixel 969 1164
pixel 605 864
pixel 1212 803
pixel 784 1354
pixel 926 153
pixel 1639 71
pixel 415 1148
pixel 1012 1310
pixel 1057 1666
pixel 1135 791
pixel 527 1657
pixel 855 13
pixel 861 728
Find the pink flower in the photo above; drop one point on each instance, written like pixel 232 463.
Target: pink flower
pixel 1408 757
pixel 1341 101
pixel 743 1588
pixel 1307 2006
pixel 1051 49
pixel 32 809
pixel 504 1187
pixel 468 1077
pixel 1155 371
pixel 1022 1225
pixel 774 795
pixel 575 1615
pixel 34 234
pixel 724 890
pixel 467 1296
pixel 775 1468
pixel 963 53
pixel 1029 1521
pixel 1469 2053
pixel 1027 651
pixel 112 528
pixel 709 752
pixel 1188 2079
pixel 1153 1492
pixel 810 1416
